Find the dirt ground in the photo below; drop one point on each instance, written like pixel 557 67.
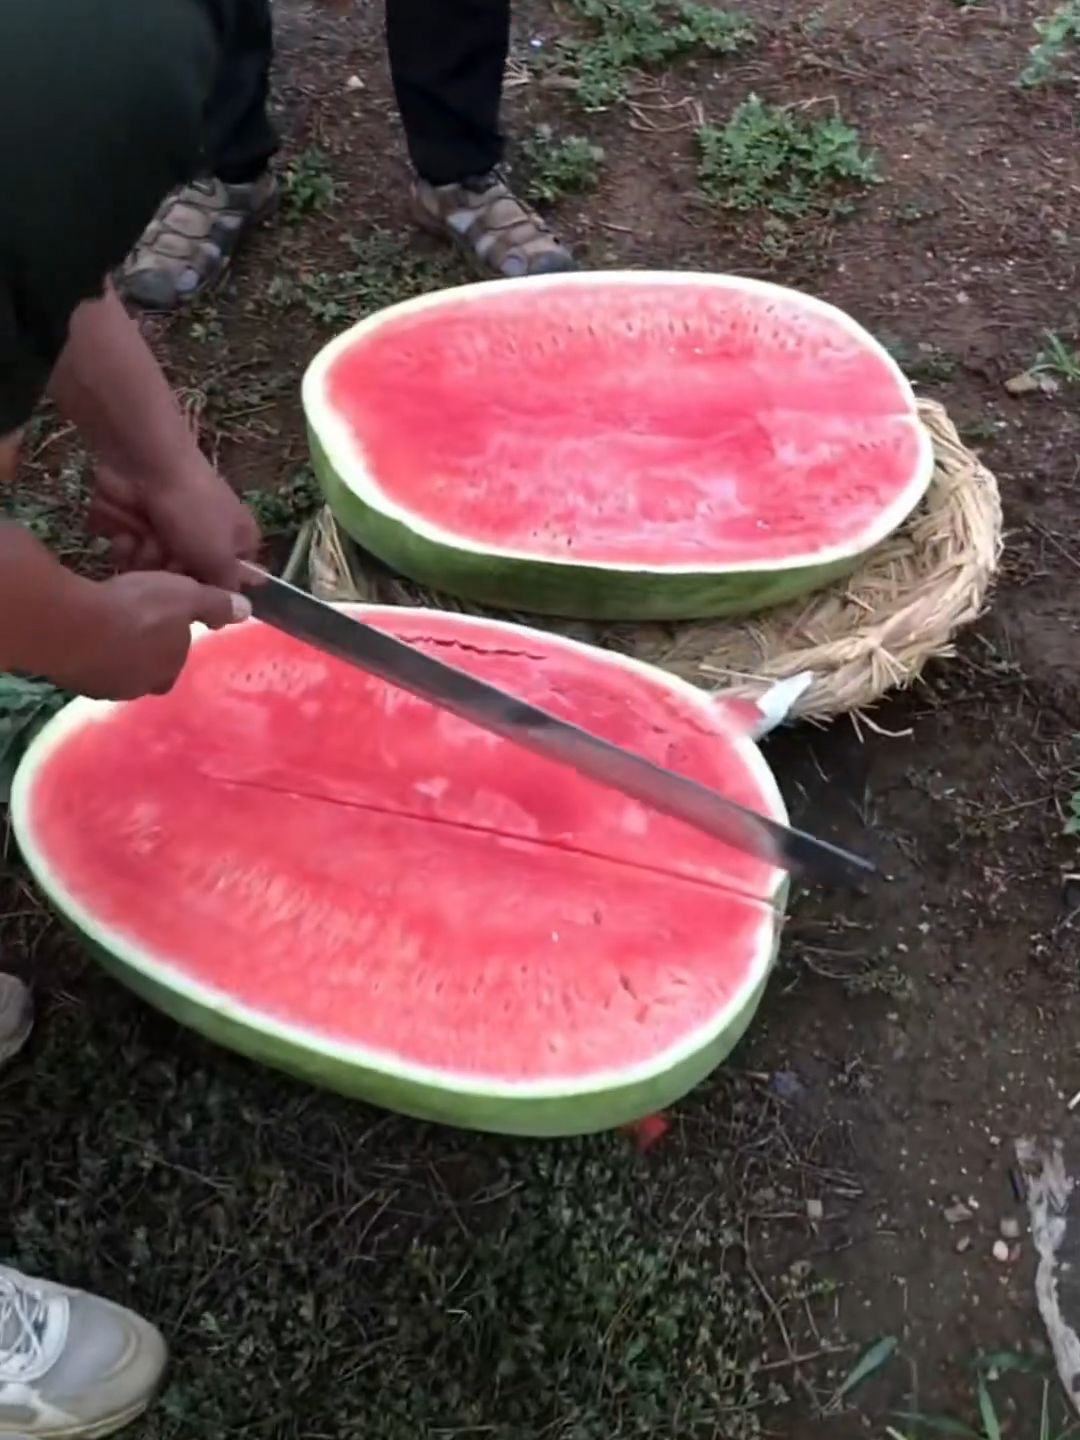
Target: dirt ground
pixel 301 1252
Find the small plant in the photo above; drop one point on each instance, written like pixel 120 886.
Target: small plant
pixel 1058 358
pixel 26 703
pixel 55 513
pixel 923 364
pixel 385 271
pixel 772 157
pixel 1058 33
pixel 1055 365
pixel 555 168
pixel 990 1424
pixel 1072 814
pixel 639 35
pixel 307 185
pixel 288 507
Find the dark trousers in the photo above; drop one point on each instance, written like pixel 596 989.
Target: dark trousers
pixel 446 59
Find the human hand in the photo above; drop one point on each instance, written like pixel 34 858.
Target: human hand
pixel 194 524
pixel 135 633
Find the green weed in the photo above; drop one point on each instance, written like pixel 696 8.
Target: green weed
pixel 558 167
pixel 385 271
pixel 1057 358
pixel 286 509
pixel 26 703
pixel 1072 814
pixel 923 363
pixel 617 1328
pixel 628 35
pixel 990 1425
pixel 774 158
pixel 979 431
pixel 307 185
pixel 439 1285
pixel 50 504
pixel 207 328
pixel 1058 34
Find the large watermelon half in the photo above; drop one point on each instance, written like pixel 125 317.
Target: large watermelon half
pixel 335 878
pixel 620 445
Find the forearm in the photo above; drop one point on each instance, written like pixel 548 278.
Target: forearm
pixel 108 384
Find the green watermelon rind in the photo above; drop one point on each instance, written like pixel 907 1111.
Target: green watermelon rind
pixel 510 579
pixel 586 593
pixel 536 1109
pixel 540 1117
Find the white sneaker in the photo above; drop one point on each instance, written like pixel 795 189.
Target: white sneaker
pixel 16 1016
pixel 72 1366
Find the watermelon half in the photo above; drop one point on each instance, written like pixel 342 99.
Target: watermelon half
pixel 620 445
pixel 335 878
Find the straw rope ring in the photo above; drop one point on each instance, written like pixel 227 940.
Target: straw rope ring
pixel 860 638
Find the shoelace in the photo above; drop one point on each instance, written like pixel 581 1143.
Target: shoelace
pixel 22 1324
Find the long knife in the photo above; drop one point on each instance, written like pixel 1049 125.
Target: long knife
pixel 294 611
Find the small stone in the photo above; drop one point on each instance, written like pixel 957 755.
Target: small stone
pixel 815 1210
pixel 956 1214
pixel 787 1085
pixel 1001 1252
pixel 354 83
pixel 964 1243
pixel 1010 1228
pixel 1030 383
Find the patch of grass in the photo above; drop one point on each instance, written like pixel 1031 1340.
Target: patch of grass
pixel 49 496
pixel 778 159
pixel 979 431
pixel 1072 814
pixel 1058 35
pixel 207 327
pixel 555 167
pixel 578 1318
pixel 26 703
pixel 1057 364
pixel 1054 1421
pixel 284 510
pixel 325 1270
pixel 386 271
pixel 629 35
pixel 924 363
pixel 1058 358
pixel 307 185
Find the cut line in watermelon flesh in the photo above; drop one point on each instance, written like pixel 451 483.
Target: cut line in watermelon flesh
pixel 672 426
pixel 375 894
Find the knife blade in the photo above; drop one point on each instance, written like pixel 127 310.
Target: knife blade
pixel 312 621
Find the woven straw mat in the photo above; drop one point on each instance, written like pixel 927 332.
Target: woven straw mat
pixel 860 638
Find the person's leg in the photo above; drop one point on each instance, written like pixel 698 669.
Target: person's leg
pixel 196 232
pixel 447 59
pixel 71 1364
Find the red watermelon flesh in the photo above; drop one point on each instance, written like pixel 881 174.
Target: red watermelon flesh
pixel 336 877
pixel 645 424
